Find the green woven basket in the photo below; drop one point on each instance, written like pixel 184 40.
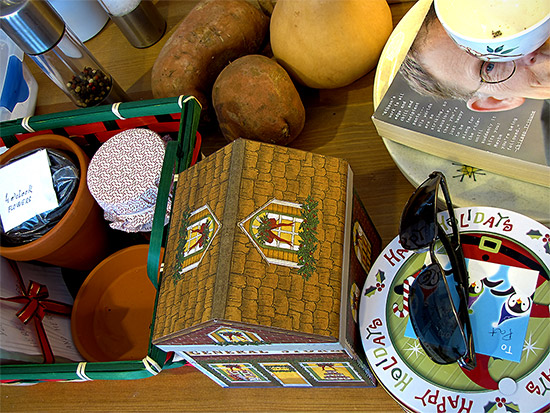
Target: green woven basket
pixel 91 127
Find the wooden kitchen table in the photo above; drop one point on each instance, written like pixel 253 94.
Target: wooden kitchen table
pixel 338 123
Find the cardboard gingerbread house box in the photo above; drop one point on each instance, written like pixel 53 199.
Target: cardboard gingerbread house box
pixel 267 252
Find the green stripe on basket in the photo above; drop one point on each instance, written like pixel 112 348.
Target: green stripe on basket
pixel 103 113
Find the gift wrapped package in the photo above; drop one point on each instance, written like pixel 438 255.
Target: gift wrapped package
pixel 35 310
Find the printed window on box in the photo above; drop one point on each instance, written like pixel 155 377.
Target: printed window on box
pixel 238 372
pixel 286 374
pixel 199 236
pixel 279 233
pixel 332 371
pixel 201 227
pixel 275 230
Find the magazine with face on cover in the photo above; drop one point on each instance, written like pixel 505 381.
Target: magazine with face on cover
pixel 439 104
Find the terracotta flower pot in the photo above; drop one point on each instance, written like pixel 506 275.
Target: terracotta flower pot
pixel 79 240
pixel 114 308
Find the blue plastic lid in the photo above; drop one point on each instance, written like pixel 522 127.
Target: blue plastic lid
pixel 15 88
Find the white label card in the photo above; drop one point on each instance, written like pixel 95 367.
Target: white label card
pixel 26 189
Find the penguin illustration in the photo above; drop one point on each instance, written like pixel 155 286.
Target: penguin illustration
pixel 479 273
pixel 519 295
pixel 516 305
pixel 477 288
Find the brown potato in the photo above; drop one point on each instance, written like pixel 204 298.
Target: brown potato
pixel 214 33
pixel 254 98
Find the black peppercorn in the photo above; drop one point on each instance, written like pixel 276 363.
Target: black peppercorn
pixel 89 87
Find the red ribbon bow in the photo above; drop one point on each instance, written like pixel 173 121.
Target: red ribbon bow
pixel 35 307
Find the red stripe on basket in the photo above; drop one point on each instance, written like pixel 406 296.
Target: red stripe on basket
pixel 136 122
pixel 165 127
pixel 105 136
pixel 196 149
pixel 86 129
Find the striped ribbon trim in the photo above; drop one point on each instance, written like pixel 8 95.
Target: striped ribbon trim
pixel 25 124
pixel 80 371
pixel 114 109
pixel 181 100
pixel 151 366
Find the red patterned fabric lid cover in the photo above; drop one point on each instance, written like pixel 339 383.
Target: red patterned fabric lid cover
pixel 123 177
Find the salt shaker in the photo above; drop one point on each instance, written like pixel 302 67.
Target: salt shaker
pixel 86 18
pixel 39 31
pixel 139 20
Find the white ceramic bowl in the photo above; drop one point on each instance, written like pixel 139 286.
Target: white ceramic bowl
pixel 496 30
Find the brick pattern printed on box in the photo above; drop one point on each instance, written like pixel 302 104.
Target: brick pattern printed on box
pixel 258 292
pixel 267 252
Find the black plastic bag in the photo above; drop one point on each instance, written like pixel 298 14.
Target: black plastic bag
pixel 65 178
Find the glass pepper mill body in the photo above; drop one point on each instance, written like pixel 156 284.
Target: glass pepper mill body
pixel 39 31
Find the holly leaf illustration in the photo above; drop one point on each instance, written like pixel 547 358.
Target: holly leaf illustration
pixel 489 49
pixel 380 276
pixel 547 247
pixel 499 49
pixel 370 291
pixel 534 234
pixel 511 407
pixel 490 407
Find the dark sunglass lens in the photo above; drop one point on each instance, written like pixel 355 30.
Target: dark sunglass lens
pixel 433 317
pixel 418 221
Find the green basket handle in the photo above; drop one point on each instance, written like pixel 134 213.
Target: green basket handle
pixel 177 158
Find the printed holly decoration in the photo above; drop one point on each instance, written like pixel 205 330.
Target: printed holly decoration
pixel 263 229
pixel 498 404
pixel 182 241
pixel 378 286
pixel 308 234
pixel 545 238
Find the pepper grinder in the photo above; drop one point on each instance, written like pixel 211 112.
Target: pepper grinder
pixel 139 21
pixel 39 31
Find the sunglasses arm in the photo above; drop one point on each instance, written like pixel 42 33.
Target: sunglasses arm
pixel 456 256
pixel 452 241
pixel 455 236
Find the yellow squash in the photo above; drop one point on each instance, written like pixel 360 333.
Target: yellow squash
pixel 326 44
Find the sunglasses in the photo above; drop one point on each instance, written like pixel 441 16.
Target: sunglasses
pixel 443 330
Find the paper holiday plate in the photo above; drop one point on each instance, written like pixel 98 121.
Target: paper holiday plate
pixel 113 309
pixel 508 258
